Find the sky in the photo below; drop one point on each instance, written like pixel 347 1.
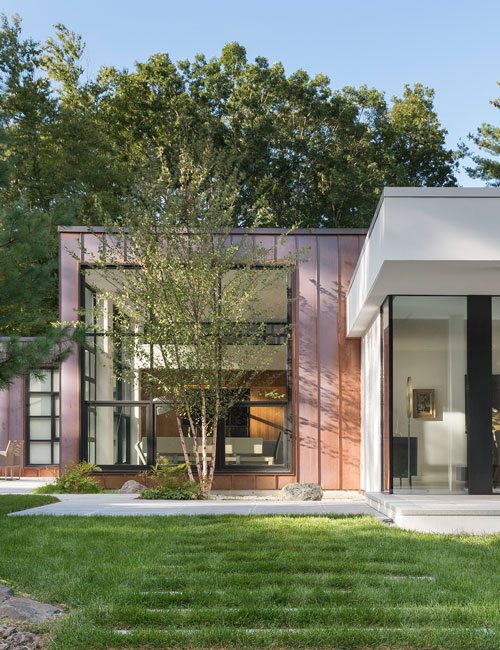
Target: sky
pixel 452 46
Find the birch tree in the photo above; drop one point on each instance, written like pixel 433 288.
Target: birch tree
pixel 184 308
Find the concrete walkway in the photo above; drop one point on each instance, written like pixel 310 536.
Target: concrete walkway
pixel 23 485
pixel 119 505
pixel 440 513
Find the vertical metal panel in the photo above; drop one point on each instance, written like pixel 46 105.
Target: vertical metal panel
pixel 328 361
pixel 91 247
pixel 4 418
pixel 267 242
pixel 285 246
pixel 307 367
pixel 350 374
pixel 17 410
pixel 68 305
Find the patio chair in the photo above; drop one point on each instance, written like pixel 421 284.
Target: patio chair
pixel 11 457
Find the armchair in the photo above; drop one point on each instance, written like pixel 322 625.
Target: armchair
pixel 11 457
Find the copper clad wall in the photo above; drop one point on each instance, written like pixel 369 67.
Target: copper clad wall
pixel 326 387
pixel 328 366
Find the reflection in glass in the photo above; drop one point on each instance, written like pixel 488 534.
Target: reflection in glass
pixel 115 434
pixel 429 360
pixel 255 435
pixel 42 383
pixel 168 441
pixel 495 415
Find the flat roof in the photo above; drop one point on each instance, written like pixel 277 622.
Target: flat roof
pixel 422 240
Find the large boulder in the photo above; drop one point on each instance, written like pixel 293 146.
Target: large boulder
pixel 302 492
pixel 25 609
pixel 5 592
pixel 132 487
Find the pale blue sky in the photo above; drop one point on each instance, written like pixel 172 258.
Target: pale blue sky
pixel 451 45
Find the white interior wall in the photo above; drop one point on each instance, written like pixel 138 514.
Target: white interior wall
pixel 432 352
pixel 370 411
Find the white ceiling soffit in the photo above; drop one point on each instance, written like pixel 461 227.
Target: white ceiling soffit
pixel 427 241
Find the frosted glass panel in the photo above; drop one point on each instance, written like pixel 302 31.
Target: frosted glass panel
pixel 40 405
pixel 57 427
pixel 56 405
pixel 40 429
pixel 55 381
pixel 41 384
pixel 40 453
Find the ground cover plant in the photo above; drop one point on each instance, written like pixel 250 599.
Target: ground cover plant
pixel 167 481
pixel 254 582
pixel 77 479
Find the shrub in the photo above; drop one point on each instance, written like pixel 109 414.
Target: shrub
pixel 169 482
pixel 77 479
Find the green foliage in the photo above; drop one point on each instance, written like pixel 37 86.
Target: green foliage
pixel 170 482
pixel 71 149
pixel 487 138
pixel 315 156
pixel 77 479
pixel 198 305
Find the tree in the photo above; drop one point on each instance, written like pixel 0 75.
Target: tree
pixel 417 143
pixel 185 315
pixel 317 156
pixel 28 294
pixel 487 138
pixel 43 184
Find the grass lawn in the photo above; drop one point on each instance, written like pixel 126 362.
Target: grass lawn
pixel 254 582
pixel 14 502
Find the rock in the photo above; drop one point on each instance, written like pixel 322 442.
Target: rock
pixel 302 492
pixel 5 592
pixel 132 487
pixel 13 639
pixel 25 609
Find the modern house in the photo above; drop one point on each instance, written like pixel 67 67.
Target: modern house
pixel 390 382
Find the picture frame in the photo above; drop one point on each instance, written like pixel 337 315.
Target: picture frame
pixel 424 404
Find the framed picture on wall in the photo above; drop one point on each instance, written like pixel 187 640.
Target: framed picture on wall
pixel 424 404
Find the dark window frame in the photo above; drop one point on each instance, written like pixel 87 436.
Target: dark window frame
pixel 54 438
pixel 221 467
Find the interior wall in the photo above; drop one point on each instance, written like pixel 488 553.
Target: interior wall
pixel 432 352
pixel 371 440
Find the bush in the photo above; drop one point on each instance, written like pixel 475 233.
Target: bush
pixel 77 479
pixel 170 482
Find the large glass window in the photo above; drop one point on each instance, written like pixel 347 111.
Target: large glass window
pixel 429 373
pixel 120 436
pixel 256 433
pixel 43 417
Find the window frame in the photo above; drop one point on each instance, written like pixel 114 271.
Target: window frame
pixel 221 467
pixel 54 395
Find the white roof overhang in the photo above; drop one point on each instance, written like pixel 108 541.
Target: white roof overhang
pixel 426 241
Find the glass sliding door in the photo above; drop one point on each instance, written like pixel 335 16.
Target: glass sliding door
pixel 495 393
pixel 429 372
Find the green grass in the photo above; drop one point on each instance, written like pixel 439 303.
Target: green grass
pixel 255 582
pixel 15 502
